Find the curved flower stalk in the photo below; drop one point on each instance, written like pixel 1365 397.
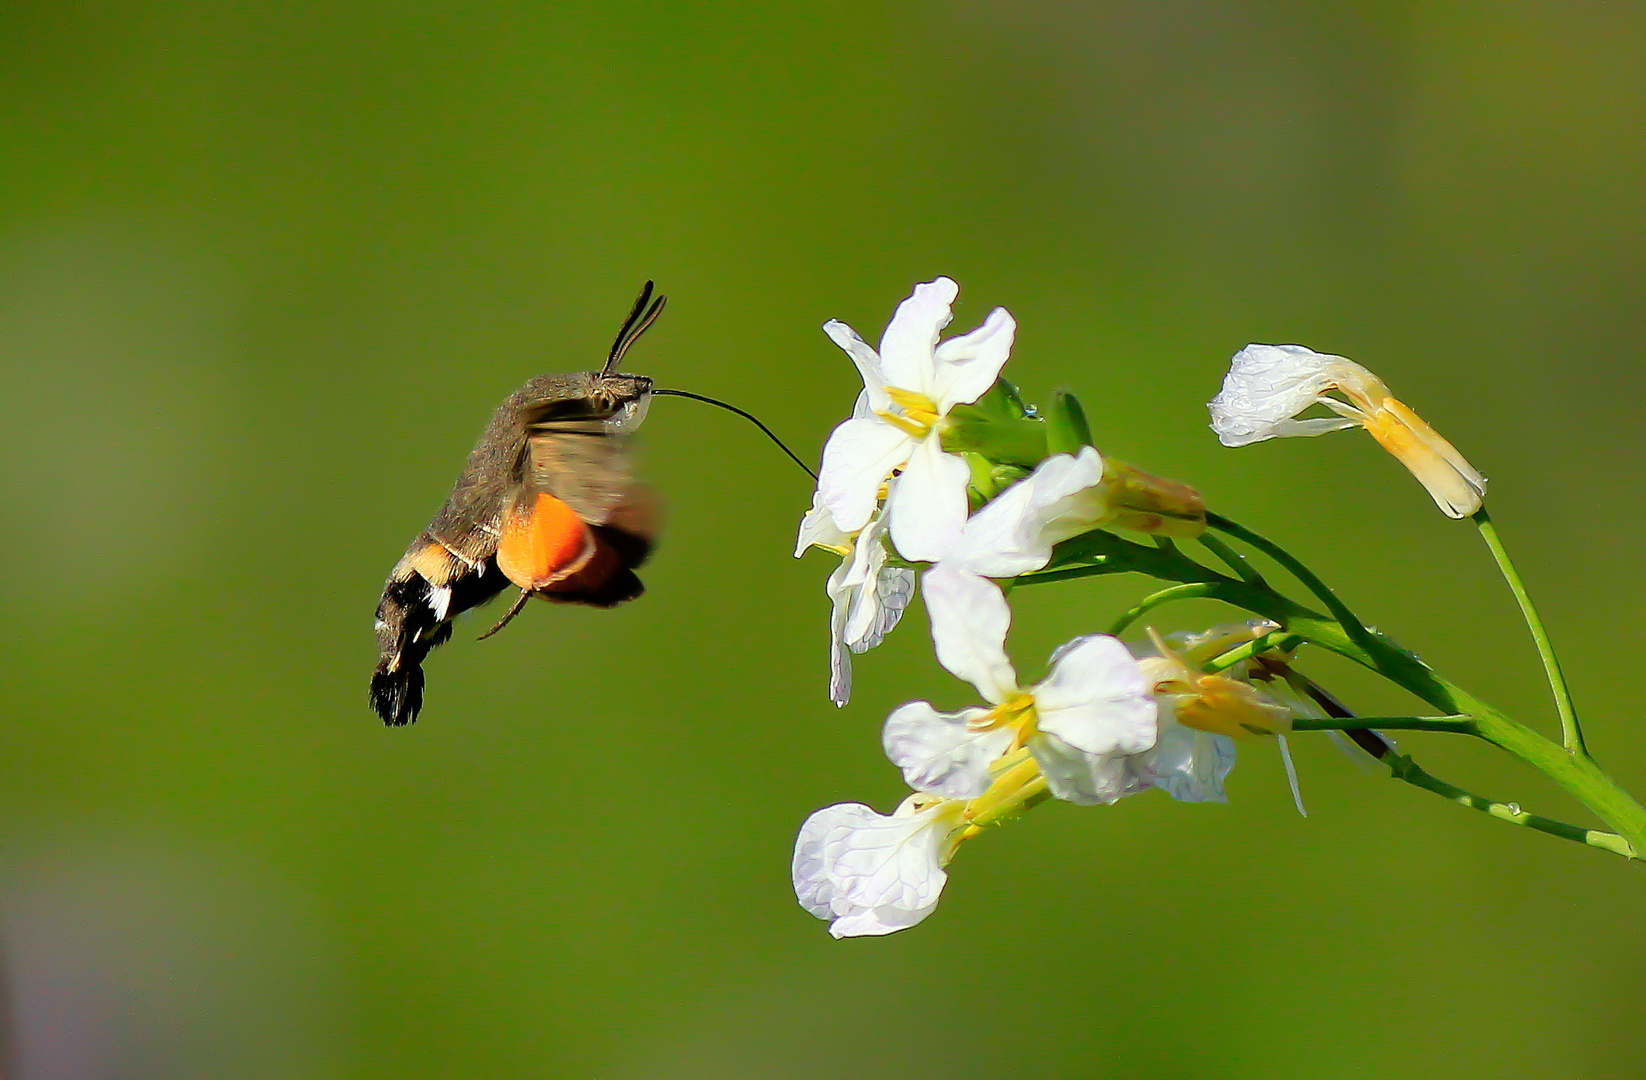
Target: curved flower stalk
pixel 1268 385
pixel 1091 711
pixel 909 386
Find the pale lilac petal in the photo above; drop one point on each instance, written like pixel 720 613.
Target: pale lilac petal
pixel 867 560
pixel 858 458
pixel 866 359
pixel 940 752
pixel 1096 699
pixel 906 348
pixel 1187 764
pixel 926 505
pixel 969 364
pixel 1082 778
pixel 893 589
pixel 969 618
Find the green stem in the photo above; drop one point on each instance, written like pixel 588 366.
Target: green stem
pixel 1570 733
pixel 1338 608
pixel 1344 634
pixel 1404 768
pixel 1578 774
pixel 1234 560
pixel 1148 603
pixel 1275 639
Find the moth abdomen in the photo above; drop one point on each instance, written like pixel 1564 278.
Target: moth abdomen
pixel 415 616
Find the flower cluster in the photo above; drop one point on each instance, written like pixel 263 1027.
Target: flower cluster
pixel 942 480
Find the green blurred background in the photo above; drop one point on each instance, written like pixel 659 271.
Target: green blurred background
pixel 265 268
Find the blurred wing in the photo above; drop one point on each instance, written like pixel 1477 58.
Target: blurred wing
pixel 577 463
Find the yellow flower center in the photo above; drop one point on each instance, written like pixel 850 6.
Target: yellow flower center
pixel 1016 712
pixel 918 415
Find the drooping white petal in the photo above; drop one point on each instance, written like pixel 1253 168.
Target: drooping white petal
pixel 1015 533
pixel 1096 699
pixel 969 618
pixel 1081 778
pixel 866 359
pixel 872 874
pixel 906 348
pixel 858 457
pixel 1267 385
pixel 941 752
pixel 840 660
pixel 867 559
pixel 926 504
pixel 969 364
pixel 867 598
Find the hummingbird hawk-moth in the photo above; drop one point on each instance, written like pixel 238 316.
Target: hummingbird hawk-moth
pixel 546 503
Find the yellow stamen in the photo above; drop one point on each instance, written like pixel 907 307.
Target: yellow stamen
pixel 1226 707
pixel 1010 791
pixel 1016 712
pixel 918 415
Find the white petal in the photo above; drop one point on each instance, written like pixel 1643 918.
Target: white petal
pixel 873 874
pixel 969 618
pixel 926 504
pixel 856 461
pixel 1015 533
pixel 1269 384
pixel 893 589
pixel 866 359
pixel 1187 764
pixel 1078 777
pixel 906 348
pixel 1096 699
pixel 969 364
pixel 817 528
pixel 940 752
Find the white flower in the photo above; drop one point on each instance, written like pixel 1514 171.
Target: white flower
pixel 1091 711
pixel 909 386
pixel 1268 385
pixel 873 874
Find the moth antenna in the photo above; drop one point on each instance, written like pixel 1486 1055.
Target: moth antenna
pixel 640 317
pixel 508 616
pixel 747 416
